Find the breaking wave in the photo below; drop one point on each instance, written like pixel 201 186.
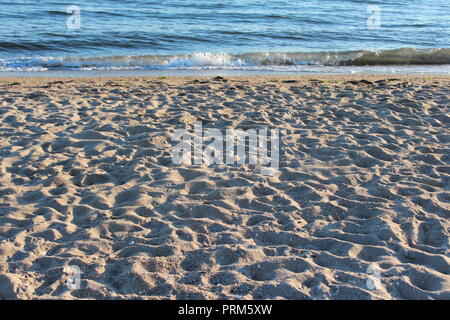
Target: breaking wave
pixel 257 61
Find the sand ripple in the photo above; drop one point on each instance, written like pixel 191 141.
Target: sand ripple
pixel 87 180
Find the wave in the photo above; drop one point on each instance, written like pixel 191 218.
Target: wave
pixel 258 60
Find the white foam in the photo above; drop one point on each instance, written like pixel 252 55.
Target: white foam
pixel 271 62
pixel 201 59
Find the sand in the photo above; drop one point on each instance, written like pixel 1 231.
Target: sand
pixel 359 208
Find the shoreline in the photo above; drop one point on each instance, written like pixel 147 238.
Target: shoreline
pixel 336 78
pixel 419 70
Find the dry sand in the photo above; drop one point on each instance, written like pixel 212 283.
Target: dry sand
pixel 86 179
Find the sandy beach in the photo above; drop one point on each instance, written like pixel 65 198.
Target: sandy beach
pixel 358 209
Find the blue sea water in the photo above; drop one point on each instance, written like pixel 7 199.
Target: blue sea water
pixel 278 35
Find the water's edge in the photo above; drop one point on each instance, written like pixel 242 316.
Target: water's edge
pixel 411 70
